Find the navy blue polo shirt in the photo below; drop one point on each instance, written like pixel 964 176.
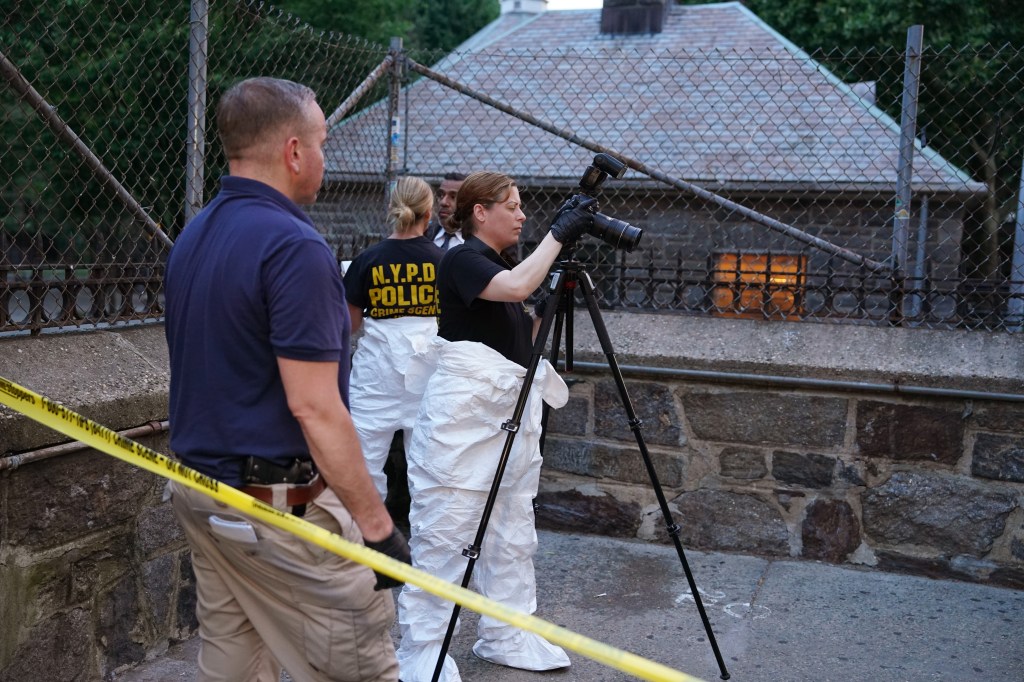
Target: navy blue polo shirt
pixel 248 281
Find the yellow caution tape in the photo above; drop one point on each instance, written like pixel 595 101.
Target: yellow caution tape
pixel 59 418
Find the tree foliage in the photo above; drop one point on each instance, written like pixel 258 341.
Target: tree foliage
pixel 117 73
pixel 431 25
pixel 881 24
pixel 374 20
pixel 80 56
pixel 443 25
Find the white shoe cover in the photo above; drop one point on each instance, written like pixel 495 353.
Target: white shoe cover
pixel 524 650
pixel 416 664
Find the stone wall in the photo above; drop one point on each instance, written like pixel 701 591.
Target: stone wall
pixel 94 571
pixel 95 575
pixel 827 468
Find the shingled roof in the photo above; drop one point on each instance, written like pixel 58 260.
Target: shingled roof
pixel 717 98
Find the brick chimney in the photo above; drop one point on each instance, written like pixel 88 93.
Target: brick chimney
pixel 524 6
pixel 633 17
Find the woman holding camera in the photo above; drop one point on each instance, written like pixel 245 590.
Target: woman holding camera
pixel 472 378
pixel 483 294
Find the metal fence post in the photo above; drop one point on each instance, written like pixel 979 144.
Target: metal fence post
pixel 915 301
pixel 905 170
pixel 917 291
pixel 199 17
pixel 394 117
pixel 1015 304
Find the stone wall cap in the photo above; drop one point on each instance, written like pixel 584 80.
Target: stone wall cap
pixel 953 359
pixel 119 377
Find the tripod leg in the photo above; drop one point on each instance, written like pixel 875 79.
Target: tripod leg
pixel 556 340
pixel 511 426
pixel 569 309
pixel 636 425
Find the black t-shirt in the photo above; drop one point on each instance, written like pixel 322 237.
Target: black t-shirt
pixel 395 278
pixel 464 272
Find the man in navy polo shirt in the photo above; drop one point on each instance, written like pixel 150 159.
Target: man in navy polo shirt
pixel 258 333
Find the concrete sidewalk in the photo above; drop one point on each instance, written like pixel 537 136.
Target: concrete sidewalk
pixel 773 619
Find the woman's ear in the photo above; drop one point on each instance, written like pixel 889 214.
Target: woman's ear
pixel 479 213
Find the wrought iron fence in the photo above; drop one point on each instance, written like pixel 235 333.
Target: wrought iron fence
pixel 769 182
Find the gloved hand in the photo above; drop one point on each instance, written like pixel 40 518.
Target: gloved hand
pixel 573 219
pixel 395 547
pixel 540 306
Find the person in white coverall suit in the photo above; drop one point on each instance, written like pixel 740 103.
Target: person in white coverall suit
pixel 390 289
pixel 471 377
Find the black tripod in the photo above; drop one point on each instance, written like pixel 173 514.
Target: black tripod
pixel 559 311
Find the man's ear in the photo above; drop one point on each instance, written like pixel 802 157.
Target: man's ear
pixel 293 155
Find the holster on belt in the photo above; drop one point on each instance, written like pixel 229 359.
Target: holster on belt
pixel 259 471
pixel 301 475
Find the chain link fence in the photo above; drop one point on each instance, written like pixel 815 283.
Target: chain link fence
pixel 767 180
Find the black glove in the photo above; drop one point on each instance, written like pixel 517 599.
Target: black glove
pixel 540 306
pixel 395 547
pixel 573 219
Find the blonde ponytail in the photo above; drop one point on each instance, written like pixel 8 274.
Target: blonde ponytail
pixel 411 201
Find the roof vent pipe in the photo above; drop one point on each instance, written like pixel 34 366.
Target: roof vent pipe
pixel 633 17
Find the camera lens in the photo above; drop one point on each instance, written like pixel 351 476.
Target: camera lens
pixel 616 233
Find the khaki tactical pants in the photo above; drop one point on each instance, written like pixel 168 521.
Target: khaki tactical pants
pixel 268 599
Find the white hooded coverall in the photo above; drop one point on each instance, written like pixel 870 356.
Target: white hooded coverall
pixel 379 402
pixel 469 391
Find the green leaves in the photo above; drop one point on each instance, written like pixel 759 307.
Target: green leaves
pixel 881 24
pixel 424 24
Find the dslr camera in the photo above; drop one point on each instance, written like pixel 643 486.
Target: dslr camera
pixel 614 232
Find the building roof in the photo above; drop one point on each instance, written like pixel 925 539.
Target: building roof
pixel 719 99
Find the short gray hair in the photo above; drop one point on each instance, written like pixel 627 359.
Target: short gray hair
pixel 256 107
